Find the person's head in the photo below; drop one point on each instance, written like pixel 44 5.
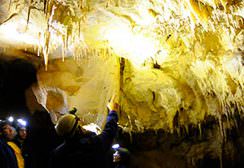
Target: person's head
pixel 22 133
pixel 9 132
pixel 67 126
pixel 122 155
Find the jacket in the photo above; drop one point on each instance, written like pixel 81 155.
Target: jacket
pixel 87 151
pixel 18 154
pixel 7 155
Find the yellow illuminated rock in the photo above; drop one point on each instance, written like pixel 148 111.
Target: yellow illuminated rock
pixel 167 61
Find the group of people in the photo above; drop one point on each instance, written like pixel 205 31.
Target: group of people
pixel 12 139
pixel 80 148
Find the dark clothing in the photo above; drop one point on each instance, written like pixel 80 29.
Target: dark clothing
pixel 7 156
pixel 87 151
pixel 121 166
pixel 23 147
pixel 41 140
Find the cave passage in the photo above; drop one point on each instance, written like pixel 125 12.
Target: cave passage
pixel 16 75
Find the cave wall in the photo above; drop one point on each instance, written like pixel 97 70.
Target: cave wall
pixel 87 85
pixel 195 148
pixel 172 65
pixel 182 61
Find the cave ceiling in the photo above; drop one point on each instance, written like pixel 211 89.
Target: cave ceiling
pixel 169 62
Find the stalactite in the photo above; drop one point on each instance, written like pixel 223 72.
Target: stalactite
pixel 39 45
pixel 29 11
pixel 200 130
pixel 45 2
pixel 46 47
pixel 10 3
pixel 172 32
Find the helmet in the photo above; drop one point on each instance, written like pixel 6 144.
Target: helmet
pixel 66 125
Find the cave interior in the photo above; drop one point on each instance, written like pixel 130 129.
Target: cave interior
pixel 176 69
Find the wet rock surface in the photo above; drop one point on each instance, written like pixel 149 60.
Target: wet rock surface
pixel 195 149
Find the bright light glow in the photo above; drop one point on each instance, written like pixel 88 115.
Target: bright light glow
pixel 11 119
pixel 10 32
pixel 184 12
pixel 135 47
pixel 115 146
pixel 22 122
pixel 147 17
pixel 93 128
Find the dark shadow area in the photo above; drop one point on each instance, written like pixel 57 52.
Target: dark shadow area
pixel 15 77
pixel 188 149
pixel 41 141
pixel 207 161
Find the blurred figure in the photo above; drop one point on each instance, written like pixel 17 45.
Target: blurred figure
pixel 10 133
pixel 121 158
pixel 41 136
pixel 21 136
pixel 20 141
pixel 41 140
pixel 7 154
pixel 82 149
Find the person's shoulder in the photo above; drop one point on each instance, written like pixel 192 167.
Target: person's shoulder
pixel 90 134
pixel 1 140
